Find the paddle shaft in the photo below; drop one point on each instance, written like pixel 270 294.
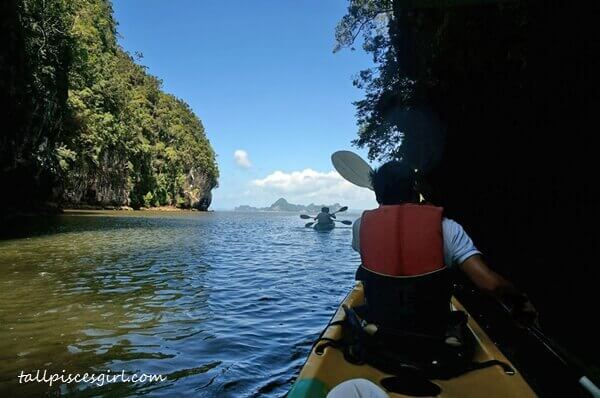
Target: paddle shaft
pixel 558 353
pixel 343 208
pixel 344 222
pixel 306 216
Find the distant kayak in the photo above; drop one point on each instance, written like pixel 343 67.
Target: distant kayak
pixel 327 367
pixel 327 221
pixel 324 227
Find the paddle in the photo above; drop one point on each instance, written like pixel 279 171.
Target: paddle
pixel 346 222
pixel 307 217
pixel 578 370
pixel 343 208
pixel 352 168
pixel 559 353
pixel 307 225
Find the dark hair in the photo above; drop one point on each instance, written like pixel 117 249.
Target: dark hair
pixel 325 209
pixel 394 183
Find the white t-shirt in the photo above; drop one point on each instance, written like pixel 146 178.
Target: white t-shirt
pixel 458 246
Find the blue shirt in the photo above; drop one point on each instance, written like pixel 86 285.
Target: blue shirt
pixel 458 246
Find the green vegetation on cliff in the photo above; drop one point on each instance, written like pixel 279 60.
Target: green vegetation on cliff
pixel 86 124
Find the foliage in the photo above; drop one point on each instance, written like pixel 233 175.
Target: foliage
pixel 91 118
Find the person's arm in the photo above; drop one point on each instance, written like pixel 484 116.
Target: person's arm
pixel 485 279
pixel 356 235
pixel 499 287
pixel 462 252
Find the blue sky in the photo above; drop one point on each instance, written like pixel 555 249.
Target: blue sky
pixel 262 77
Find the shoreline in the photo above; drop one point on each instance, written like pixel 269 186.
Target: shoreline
pixel 128 208
pixel 53 209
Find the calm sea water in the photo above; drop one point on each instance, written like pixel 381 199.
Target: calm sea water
pixel 222 304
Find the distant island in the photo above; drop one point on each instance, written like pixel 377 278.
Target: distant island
pixel 283 205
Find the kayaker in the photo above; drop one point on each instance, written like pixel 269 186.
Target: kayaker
pixel 324 217
pixel 409 232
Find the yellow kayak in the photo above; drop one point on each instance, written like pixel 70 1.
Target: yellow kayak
pixel 327 369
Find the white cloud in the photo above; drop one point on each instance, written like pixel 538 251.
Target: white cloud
pixel 241 158
pixel 308 186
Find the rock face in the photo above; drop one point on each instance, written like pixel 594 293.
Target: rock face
pixel 197 191
pixel 283 205
pixel 109 186
pixel 106 185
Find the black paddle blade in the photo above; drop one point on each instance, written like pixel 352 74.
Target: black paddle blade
pixel 308 224
pixel 305 216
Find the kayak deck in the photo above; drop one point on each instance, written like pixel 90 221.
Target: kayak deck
pixel 322 372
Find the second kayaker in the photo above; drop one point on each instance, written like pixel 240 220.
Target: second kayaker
pixel 325 217
pixel 405 249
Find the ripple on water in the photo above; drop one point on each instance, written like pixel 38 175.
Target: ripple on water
pixel 223 304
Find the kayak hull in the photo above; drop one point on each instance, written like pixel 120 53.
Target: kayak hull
pixel 324 227
pixel 322 372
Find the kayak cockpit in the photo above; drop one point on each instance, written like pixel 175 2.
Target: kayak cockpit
pixel 328 367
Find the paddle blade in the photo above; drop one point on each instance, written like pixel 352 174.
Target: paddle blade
pixel 352 168
pixel 345 222
pixel 344 208
pixel 309 224
pixel 305 216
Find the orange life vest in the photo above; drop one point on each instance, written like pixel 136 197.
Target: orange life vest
pixel 402 240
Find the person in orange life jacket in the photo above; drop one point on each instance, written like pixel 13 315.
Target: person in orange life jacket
pixel 403 239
